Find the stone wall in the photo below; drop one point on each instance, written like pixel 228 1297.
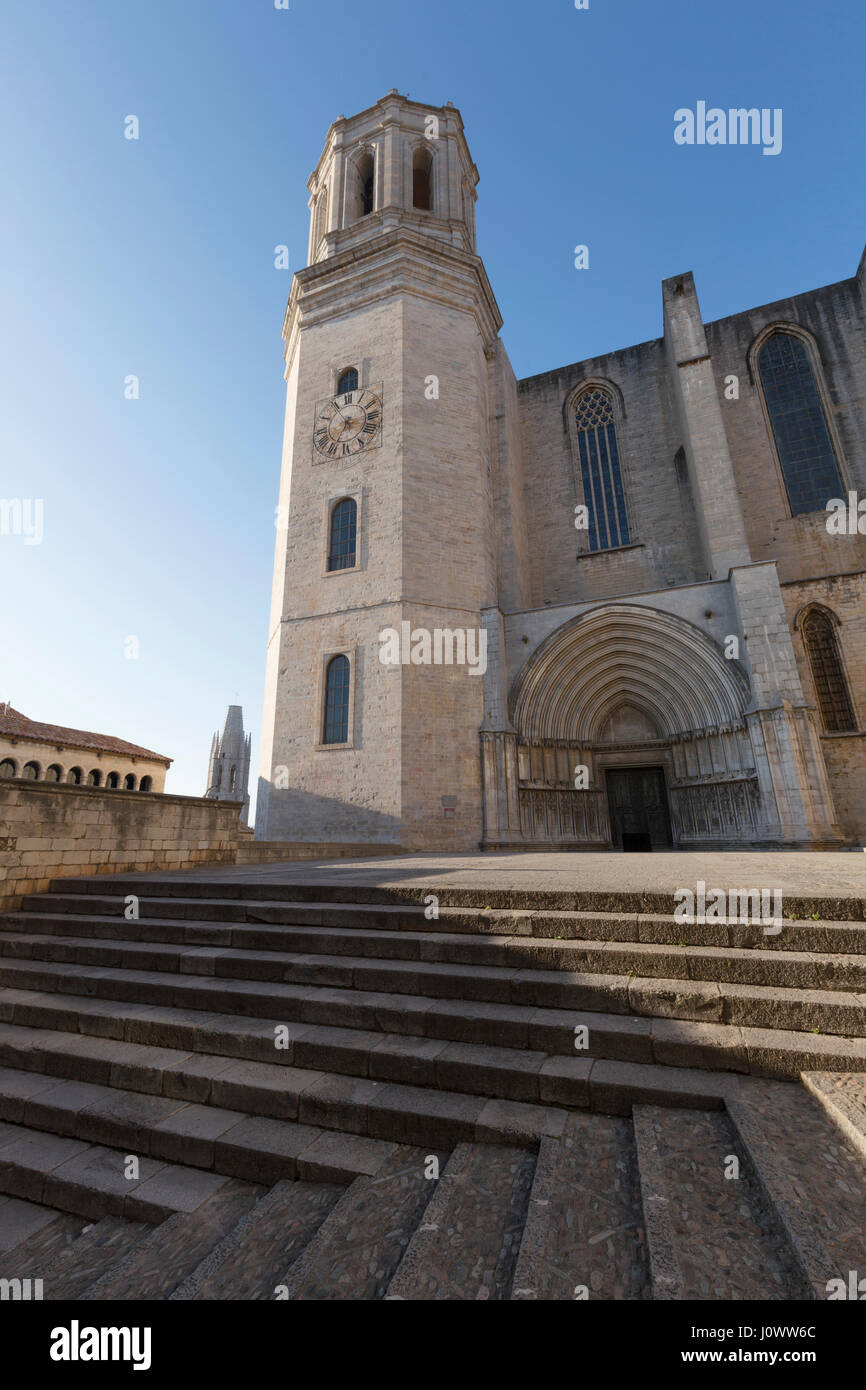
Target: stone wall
pixel 49 831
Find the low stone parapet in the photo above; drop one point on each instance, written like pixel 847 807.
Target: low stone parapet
pixel 53 830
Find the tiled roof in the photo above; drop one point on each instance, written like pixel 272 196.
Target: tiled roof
pixel 16 725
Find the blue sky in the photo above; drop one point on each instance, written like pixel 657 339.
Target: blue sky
pixel 155 258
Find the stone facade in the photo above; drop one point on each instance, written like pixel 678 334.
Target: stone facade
pixel 640 580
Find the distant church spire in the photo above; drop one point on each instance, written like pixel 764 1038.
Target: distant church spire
pixel 229 771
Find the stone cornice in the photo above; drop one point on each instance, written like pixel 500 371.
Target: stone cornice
pixel 397 262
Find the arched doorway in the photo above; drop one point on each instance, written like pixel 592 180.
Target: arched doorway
pixel 628 732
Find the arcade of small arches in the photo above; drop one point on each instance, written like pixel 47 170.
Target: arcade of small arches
pixel 33 771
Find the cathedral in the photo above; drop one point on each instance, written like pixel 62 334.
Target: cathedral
pixel 623 619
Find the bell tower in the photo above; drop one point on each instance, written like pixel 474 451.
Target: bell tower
pixel 385 516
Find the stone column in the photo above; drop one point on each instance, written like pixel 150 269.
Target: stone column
pixel 705 442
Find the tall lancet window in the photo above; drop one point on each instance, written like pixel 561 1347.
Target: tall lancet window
pixel 600 469
pixel 422 179
pixel 366 184
pixel 344 525
pixel 336 728
pixel 831 687
pixel 803 441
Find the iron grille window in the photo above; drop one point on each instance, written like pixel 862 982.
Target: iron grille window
pixel 809 464
pixel 348 381
pixel 337 701
pixel 831 687
pixel 600 470
pixel 344 523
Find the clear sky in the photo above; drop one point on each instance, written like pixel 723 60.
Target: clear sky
pixel 155 258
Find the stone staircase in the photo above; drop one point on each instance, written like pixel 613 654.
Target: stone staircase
pixel 330 1096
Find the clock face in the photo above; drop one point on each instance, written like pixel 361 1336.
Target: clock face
pixel 348 425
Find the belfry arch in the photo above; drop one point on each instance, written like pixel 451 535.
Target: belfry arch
pixel 627 690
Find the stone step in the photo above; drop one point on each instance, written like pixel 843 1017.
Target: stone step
pixel 266 924
pixel 584 1236
pixel 493 970
pixel 466 1245
pixel 800 907
pixel 59 1170
pixel 31 1235
pixel 249 1262
pixel 832 1012
pixel 85 1039
pixel 843 1096
pixel 99 1247
pixel 812 1178
pixel 360 1244
pixel 710 1236
pixel 167 1131
pixel 156 1265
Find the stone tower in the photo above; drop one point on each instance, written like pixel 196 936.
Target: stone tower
pixel 229 769
pixel 389 333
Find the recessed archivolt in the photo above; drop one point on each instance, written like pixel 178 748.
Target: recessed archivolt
pixel 623 654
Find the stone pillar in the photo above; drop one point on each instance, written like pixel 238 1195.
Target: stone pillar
pixel 796 800
pixel 720 517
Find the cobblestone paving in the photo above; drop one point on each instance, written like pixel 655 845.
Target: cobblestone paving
pixel 715 1237
pixel 359 1246
pixel 250 1262
pixel 87 1259
pixel 157 1265
pixel 585 1228
pixel 467 1244
pixel 819 1173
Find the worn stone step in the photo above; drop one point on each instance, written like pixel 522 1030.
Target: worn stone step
pixel 710 1232
pixel 494 969
pixel 801 907
pixel 268 924
pixel 584 1236
pixel 831 1012
pixel 812 1177
pixel 167 1130
pixel 466 1245
pixel 843 1096
pixel 356 1250
pixel 62 1171
pixel 154 1266
pixel 274 1087
pixel 250 1260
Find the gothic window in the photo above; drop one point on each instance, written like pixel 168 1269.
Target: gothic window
pixel 54 773
pixel 7 768
pixel 75 776
pixel 367 183
pixel 342 543
pixel 348 381
pixel 422 180
pixel 831 687
pixel 113 780
pixel 232 775
pixel 30 771
pixel 94 778
pixel 600 469
pixel 803 442
pixel 146 784
pixel 336 728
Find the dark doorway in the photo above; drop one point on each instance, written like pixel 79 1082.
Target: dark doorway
pixel 638 806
